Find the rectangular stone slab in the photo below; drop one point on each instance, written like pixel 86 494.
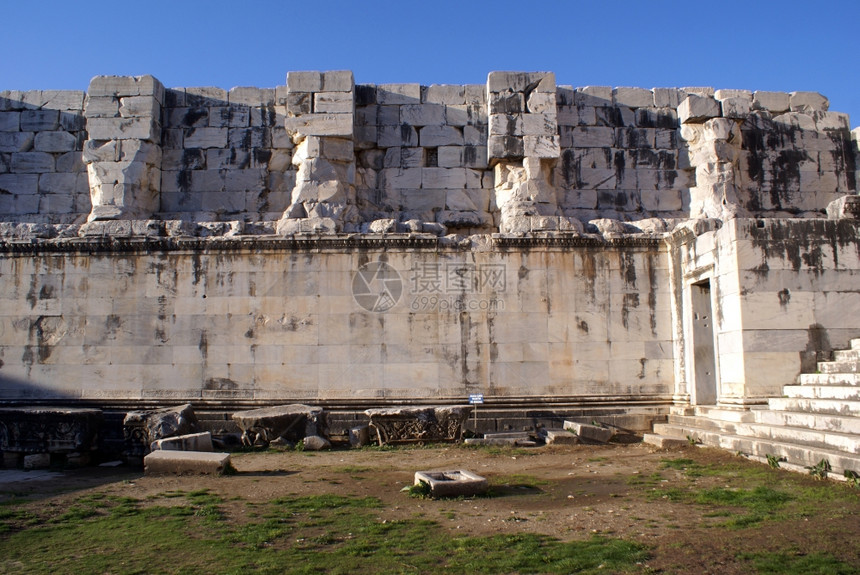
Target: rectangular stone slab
pixel 181 462
pixel 457 483
pixel 589 432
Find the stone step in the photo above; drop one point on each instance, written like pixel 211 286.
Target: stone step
pixel 816 421
pixel 855 343
pixel 840 366
pixel 724 413
pixel 841 407
pixel 663 441
pixel 829 379
pixel 848 392
pixel 846 354
pixel 760 447
pixel 827 439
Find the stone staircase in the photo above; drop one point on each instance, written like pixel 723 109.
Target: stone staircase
pixel 818 418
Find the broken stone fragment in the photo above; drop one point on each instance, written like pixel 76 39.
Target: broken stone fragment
pixel 191 442
pixel 315 443
pixel 560 437
pixel 590 432
pixel 290 422
pixel 414 424
pixel 150 426
pixel 844 208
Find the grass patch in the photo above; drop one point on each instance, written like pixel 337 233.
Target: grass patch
pixel 324 533
pixel 784 563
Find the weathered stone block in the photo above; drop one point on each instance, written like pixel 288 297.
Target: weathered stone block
pixel 123 129
pixel 443 178
pixel 505 147
pixel 54 142
pixel 556 437
pixel 203 96
pixel 805 102
pixel 633 97
pixel 445 94
pixel 541 103
pixel 39 120
pixel 206 138
pixel 589 432
pixel 192 442
pixel 10 121
pixel 736 107
pixel 102 107
pixel 19 184
pixel 307 81
pixel 593 96
pixel 697 109
pixel 333 102
pixel 16 141
pixel 338 81
pixel 32 162
pixel 58 183
pixel 520 81
pixel 139 107
pixel 506 125
pixel 221 117
pixel 666 97
pixel 185 462
pixel 321 125
pixel 539 125
pixel 776 102
pixel 422 114
pixel 433 136
pixel 396 94
pixel 249 96
pixel 541 146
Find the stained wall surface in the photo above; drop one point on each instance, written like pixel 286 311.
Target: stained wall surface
pixel 268 323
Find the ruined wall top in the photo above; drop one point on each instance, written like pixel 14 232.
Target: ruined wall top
pixel 518 154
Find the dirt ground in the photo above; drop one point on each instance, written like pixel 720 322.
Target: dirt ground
pixel 567 492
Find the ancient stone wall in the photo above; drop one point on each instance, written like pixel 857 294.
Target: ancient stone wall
pixel 226 155
pixel 42 175
pixel 477 158
pixel 367 320
pixel 329 241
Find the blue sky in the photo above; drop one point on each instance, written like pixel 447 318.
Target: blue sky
pixel 757 45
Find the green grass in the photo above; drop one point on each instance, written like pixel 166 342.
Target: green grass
pixel 785 563
pixel 187 533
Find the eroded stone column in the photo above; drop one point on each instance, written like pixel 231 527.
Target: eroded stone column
pixel 523 146
pixel 321 110
pixel 123 152
pixel 714 148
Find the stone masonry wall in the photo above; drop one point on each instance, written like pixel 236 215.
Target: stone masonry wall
pixel 42 176
pixel 477 158
pixel 226 155
pixel 269 320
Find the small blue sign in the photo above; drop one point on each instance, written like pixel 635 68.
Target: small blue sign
pixel 476 398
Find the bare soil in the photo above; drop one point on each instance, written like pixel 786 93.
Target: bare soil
pixel 567 492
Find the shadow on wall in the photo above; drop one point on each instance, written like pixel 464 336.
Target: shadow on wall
pixel 226 155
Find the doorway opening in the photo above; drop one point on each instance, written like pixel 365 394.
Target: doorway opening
pixel 704 389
